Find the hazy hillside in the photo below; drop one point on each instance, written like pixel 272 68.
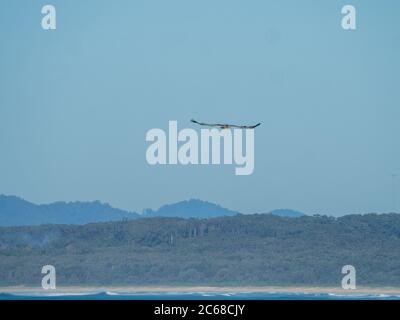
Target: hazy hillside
pixel 242 249
pixel 15 211
pixel 192 208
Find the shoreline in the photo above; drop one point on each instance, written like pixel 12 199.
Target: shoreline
pixel 200 289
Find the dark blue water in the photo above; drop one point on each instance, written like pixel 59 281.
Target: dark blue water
pixel 195 296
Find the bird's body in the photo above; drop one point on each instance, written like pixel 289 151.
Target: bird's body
pixel 224 125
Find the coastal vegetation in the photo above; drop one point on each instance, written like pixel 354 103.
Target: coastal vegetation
pixel 259 249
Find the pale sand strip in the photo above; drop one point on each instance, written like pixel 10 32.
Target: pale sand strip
pixel 185 289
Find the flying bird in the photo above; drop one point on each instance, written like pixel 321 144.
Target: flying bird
pixel 224 125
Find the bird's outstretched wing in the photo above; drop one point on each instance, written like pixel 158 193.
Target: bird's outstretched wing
pixel 206 124
pixel 243 127
pixel 224 126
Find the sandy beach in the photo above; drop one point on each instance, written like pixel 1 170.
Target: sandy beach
pixel 161 289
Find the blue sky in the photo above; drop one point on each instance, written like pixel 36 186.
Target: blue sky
pixel 76 103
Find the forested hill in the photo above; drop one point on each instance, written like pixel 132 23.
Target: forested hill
pixel 237 250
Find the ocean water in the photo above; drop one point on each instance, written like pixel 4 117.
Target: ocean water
pixel 196 296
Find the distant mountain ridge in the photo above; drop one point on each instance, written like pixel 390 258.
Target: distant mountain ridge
pixel 193 208
pixel 15 211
